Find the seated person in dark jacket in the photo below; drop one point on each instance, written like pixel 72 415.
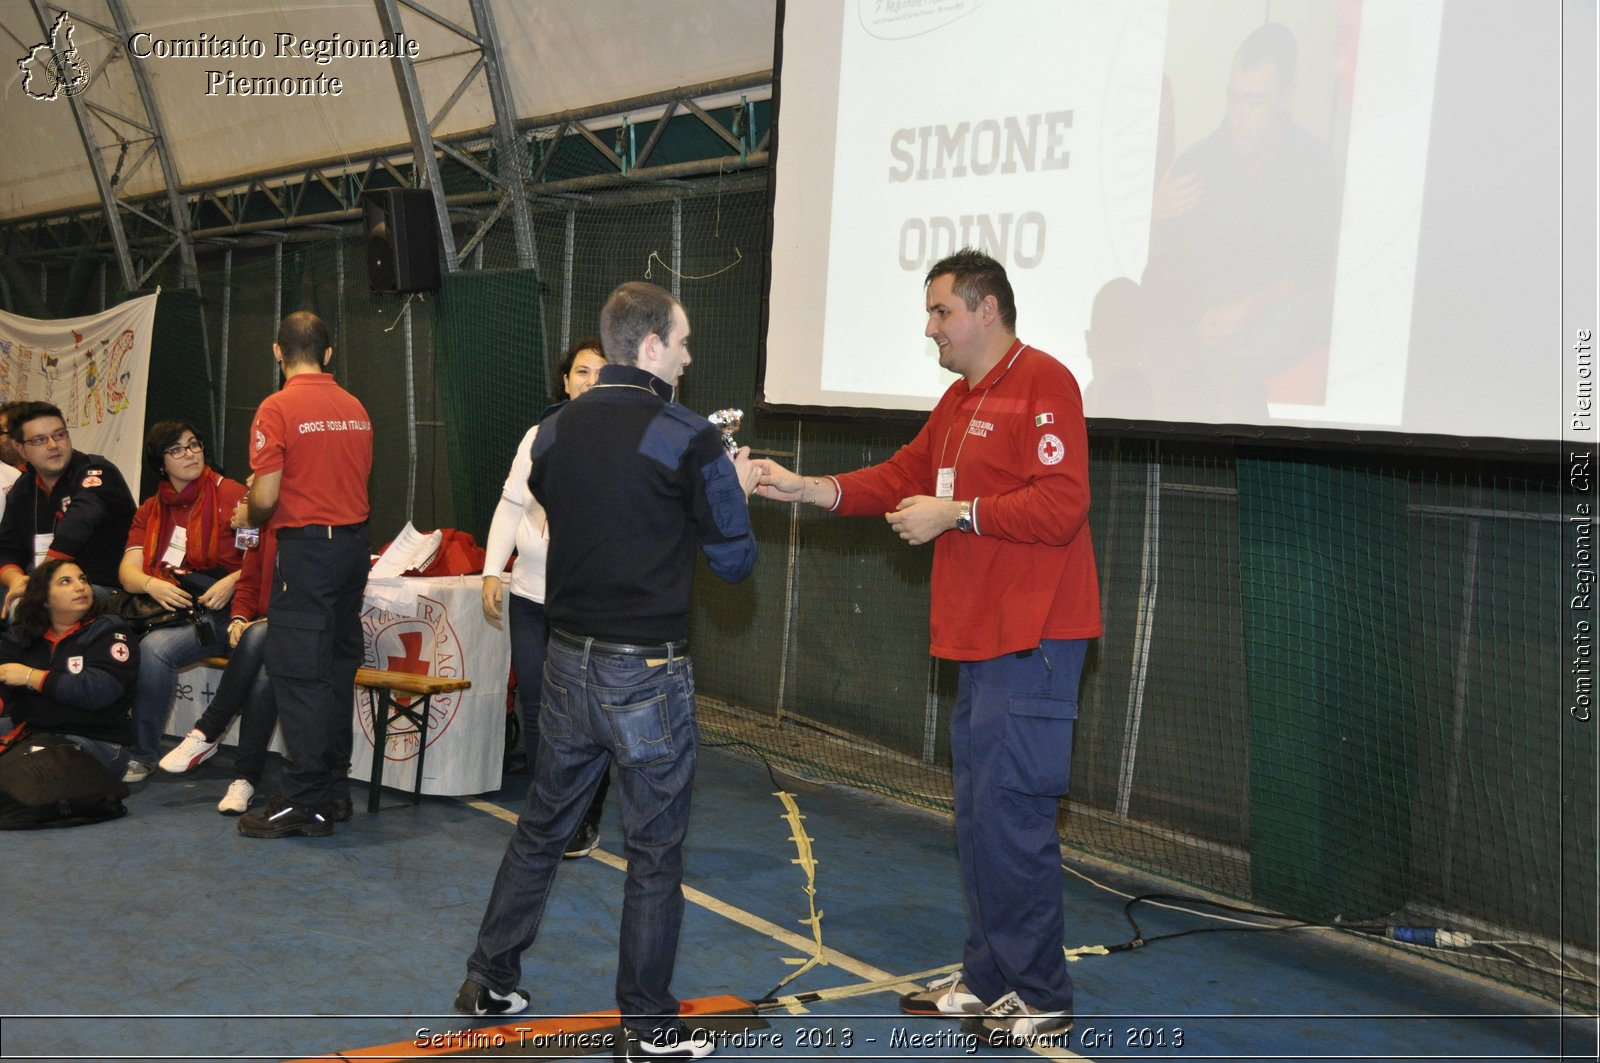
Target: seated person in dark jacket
pixel 67 669
pixel 67 504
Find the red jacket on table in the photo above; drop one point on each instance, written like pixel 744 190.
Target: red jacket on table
pixel 1019 448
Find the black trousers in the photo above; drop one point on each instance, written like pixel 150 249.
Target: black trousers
pixel 314 647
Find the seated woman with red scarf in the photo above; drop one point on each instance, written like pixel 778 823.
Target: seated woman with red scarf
pixel 181 553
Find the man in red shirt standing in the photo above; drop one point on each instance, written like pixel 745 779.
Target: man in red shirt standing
pixel 998 481
pixel 311 453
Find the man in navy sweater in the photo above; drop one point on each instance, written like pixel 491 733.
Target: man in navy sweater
pixel 632 484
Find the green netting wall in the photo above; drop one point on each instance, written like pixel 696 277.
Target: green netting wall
pixel 1330 683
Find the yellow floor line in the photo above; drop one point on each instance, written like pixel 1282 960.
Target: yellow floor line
pixel 761 926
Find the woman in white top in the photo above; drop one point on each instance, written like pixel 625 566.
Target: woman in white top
pixel 519 527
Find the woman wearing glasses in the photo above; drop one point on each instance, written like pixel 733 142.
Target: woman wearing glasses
pixel 181 553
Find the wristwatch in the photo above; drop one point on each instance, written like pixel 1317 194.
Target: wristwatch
pixel 964 517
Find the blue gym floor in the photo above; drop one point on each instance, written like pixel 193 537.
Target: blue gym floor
pixel 167 935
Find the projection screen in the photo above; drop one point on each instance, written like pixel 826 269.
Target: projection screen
pixel 1325 214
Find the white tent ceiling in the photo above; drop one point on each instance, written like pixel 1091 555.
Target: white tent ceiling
pixel 559 55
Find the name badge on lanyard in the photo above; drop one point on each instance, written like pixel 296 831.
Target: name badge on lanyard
pixel 945 487
pixel 177 548
pixel 41 547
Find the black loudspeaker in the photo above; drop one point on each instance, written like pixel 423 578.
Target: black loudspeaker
pixel 402 240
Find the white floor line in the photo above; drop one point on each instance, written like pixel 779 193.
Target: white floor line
pixel 761 926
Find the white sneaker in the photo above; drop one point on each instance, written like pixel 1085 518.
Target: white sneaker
pixel 136 772
pixel 946 996
pixel 236 802
pixel 662 1044
pixel 1009 1021
pixel 193 751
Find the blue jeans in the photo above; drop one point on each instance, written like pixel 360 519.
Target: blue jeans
pixel 599 708
pixel 529 634
pixel 244 690
pixel 161 653
pixel 1011 752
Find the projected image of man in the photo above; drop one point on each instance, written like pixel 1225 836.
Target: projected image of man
pixel 1243 244
pixel 998 481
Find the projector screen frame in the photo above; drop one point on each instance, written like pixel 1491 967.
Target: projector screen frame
pixel 1555 444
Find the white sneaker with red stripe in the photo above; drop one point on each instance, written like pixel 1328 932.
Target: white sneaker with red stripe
pixel 193 751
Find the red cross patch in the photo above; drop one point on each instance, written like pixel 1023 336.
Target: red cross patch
pixel 1051 449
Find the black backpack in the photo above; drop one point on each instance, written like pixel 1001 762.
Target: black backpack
pixel 49 781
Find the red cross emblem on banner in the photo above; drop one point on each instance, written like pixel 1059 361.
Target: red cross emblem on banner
pixel 411 661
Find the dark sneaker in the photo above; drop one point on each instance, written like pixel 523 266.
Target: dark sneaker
pixel 583 842
pixel 341 810
pixel 278 820
pixel 948 996
pixel 1008 1021
pixel 682 1043
pixel 475 998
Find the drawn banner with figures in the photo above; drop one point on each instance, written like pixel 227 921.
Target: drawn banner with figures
pixel 95 369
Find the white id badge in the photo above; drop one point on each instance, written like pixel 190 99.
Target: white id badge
pixel 179 546
pixel 41 547
pixel 946 486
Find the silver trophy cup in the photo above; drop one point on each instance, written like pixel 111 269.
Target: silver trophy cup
pixel 728 421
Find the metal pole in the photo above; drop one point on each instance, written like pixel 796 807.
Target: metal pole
pixel 411 421
pixel 568 253
pixel 227 322
pixel 677 248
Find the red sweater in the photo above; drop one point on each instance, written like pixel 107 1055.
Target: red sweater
pixel 254 589
pixel 1019 448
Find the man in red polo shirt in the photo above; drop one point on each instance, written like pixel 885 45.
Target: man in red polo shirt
pixel 998 481
pixel 311 452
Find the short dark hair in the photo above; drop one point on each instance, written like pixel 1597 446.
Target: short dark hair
pixel 558 389
pixel 32 618
pixel 162 435
pixel 32 411
pixel 1270 41
pixel 302 337
pixel 8 408
pixel 975 275
pixel 636 310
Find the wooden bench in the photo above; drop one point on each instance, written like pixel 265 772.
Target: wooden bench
pixel 381 687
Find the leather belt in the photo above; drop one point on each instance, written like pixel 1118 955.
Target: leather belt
pixel 623 649
pixel 320 531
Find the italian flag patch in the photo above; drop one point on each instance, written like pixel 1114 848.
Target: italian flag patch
pixel 1044 419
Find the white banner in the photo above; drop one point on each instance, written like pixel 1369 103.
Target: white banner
pixel 436 627
pixel 94 368
pixel 426 626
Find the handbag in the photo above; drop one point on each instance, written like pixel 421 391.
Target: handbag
pixel 141 612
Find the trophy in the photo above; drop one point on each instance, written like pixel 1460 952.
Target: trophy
pixel 728 421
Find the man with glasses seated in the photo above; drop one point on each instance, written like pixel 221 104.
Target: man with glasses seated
pixel 67 504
